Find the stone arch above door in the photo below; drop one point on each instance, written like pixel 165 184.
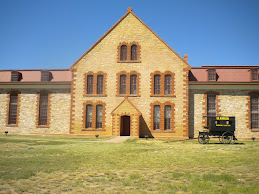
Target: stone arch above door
pixel 125 108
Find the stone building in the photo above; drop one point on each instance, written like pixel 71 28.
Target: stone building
pixel 130 82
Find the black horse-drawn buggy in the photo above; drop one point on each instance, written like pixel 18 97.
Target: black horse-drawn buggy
pixel 218 126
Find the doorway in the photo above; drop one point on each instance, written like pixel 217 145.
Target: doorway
pixel 125 126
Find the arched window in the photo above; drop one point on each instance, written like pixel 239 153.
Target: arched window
pixel 90 80
pixel 156 118
pixel 99 116
pixel 167 117
pixel 133 84
pixel 134 52
pixel 157 81
pixel 89 114
pixel 168 86
pixel 123 53
pixel 122 84
pixel 43 109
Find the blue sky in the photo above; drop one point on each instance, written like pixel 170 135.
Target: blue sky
pixel 53 34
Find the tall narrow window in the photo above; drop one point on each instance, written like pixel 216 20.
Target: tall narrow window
pixel 122 84
pixel 89 115
pixel 13 109
pixel 157 81
pixel 43 109
pixel 168 84
pixel 45 76
pixel 254 112
pixel 134 52
pixel 133 84
pixel 99 116
pixel 90 84
pixel 254 73
pixel 211 105
pixel 99 84
pixel 123 54
pixel 212 75
pixel 167 117
pixel 156 117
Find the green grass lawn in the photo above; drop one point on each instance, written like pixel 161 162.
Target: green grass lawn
pixel 54 164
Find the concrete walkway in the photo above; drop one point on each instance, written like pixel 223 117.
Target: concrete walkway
pixel 118 139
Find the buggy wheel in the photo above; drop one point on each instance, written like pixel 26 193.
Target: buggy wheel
pixel 203 138
pixel 227 137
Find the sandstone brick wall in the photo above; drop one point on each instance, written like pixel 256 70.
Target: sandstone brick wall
pixel 155 56
pixel 59 112
pixel 231 102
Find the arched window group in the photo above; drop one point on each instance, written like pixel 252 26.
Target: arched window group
pixel 128 83
pixel 95 84
pixel 94 115
pixel 162 116
pixel 162 84
pixel 129 52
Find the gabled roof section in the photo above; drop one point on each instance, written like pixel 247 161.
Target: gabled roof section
pixel 126 100
pixel 128 12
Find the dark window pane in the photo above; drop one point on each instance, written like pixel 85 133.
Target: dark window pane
pixel 14 76
pixel 122 84
pixel 167 117
pixel 133 84
pixel 134 52
pixel 123 53
pixel 13 109
pixel 211 105
pixel 254 74
pixel 43 109
pixel 45 76
pixel 90 80
pixel 100 84
pixel 157 81
pixel 168 86
pixel 156 117
pixel 99 116
pixel 254 112
pixel 212 74
pixel 88 119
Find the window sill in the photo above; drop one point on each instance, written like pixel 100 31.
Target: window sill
pixel 42 126
pixel 162 95
pixel 129 61
pixel 11 125
pixel 95 95
pixel 254 130
pixel 91 129
pixel 128 95
pixel 162 131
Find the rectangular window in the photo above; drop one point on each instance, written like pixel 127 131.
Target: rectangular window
pixel 16 76
pixel 168 86
pixel 90 79
pixel 43 109
pixel 167 117
pixel 89 113
pixel 254 73
pixel 211 105
pixel 133 84
pixel 123 84
pixel 12 120
pixel 156 117
pixel 99 116
pixel 45 76
pixel 254 112
pixel 157 81
pixel 100 84
pixel 212 75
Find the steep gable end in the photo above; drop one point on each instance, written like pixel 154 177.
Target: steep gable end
pixel 128 14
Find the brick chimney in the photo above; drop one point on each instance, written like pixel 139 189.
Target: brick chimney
pixel 185 57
